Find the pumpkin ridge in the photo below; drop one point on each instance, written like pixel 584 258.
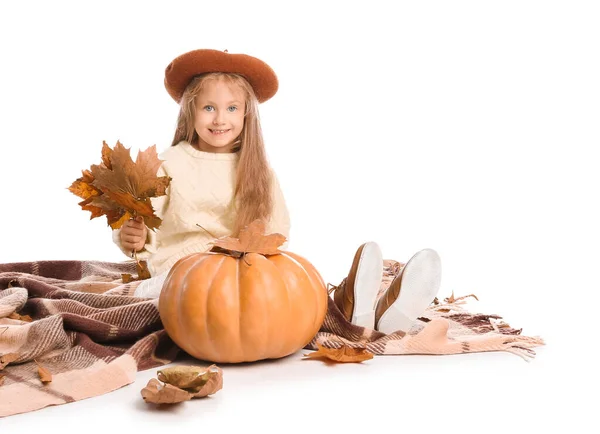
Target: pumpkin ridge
pixel 207 294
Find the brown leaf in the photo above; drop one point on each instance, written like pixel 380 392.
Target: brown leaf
pixel 44 373
pixel 195 379
pixel 252 239
pixel 18 317
pixel 143 273
pixel 7 358
pixel 120 188
pixel 158 393
pixel 343 354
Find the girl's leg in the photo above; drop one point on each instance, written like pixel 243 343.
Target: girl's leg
pixel 150 288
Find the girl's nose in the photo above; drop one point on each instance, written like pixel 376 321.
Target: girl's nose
pixel 218 119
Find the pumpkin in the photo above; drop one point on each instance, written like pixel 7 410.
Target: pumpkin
pixel 243 301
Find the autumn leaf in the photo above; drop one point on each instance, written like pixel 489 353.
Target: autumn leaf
pixel 18 317
pixel 182 383
pixel 7 358
pixel 120 188
pixel 142 270
pixel 252 239
pixel 451 299
pixel 158 393
pixel 344 354
pixel 44 373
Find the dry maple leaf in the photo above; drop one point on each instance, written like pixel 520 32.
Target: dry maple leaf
pixel 44 373
pixel 120 188
pixel 252 239
pixel 194 379
pixel 158 393
pixel 7 358
pixel 182 383
pixel 142 270
pixel 344 354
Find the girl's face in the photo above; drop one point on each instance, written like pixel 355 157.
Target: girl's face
pixel 219 119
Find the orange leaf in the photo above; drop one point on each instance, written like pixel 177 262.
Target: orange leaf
pixel 7 358
pixel 120 188
pixel 252 239
pixel 343 354
pixel 44 373
pixel 18 317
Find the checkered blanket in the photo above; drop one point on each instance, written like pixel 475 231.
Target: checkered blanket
pixel 79 321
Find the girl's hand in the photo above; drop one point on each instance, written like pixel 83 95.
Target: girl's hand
pixel 133 234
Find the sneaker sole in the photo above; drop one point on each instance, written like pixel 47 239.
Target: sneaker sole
pixel 420 283
pixel 366 285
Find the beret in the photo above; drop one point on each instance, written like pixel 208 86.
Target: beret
pixel 185 67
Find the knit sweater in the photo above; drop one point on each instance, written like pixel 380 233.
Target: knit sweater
pixel 200 193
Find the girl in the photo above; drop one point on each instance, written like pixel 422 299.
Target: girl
pixel 221 182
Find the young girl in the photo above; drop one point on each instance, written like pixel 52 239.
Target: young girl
pixel 221 182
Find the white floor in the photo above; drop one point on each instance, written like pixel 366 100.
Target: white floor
pixel 483 392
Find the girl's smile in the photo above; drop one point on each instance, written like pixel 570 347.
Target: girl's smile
pixel 220 108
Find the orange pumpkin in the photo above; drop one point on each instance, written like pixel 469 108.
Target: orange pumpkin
pixel 228 309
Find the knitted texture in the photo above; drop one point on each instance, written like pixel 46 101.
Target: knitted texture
pixel 198 206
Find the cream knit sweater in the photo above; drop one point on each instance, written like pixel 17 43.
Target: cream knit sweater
pixel 201 192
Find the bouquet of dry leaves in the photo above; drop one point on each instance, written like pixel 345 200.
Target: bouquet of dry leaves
pixel 122 189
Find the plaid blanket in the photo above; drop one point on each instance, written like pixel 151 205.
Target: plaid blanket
pixel 82 323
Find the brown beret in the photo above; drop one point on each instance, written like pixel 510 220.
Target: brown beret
pixel 184 68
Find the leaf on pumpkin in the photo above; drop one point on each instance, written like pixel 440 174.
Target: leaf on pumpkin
pixel 158 393
pixel 194 379
pixel 120 188
pixel 44 373
pixel 252 239
pixel 344 354
pixel 7 358
pixel 18 317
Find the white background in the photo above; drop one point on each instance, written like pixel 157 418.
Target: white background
pixel 465 126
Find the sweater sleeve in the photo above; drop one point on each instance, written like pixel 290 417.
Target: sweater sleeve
pixel 160 205
pixel 280 218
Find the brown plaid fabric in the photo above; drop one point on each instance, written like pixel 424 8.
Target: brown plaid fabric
pixel 90 332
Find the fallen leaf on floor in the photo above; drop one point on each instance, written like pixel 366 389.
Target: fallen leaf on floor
pixel 44 373
pixel 344 354
pixel 7 358
pixel 182 383
pixel 159 393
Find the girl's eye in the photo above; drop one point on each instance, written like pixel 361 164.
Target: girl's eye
pixel 232 108
pixel 209 108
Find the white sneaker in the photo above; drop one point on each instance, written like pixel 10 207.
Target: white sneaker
pixel 357 294
pixel 410 293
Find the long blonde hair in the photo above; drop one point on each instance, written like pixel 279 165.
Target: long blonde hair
pixel 252 195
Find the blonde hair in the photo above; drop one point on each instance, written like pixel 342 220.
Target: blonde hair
pixel 252 194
